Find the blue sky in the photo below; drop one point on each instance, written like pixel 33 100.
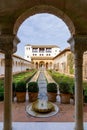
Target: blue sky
pixel 42 29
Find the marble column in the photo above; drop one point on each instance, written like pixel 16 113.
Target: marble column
pixel 78 45
pixel 8 92
pixel 8 44
pixel 78 56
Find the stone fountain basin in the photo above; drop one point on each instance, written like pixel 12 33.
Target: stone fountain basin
pixel 42 106
pixel 43 111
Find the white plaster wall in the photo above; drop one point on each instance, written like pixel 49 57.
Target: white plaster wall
pixel 28 52
pixel 55 51
pixel 19 65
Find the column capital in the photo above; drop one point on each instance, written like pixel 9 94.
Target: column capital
pixel 8 43
pixel 78 43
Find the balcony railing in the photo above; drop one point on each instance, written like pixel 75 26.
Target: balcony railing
pixel 34 51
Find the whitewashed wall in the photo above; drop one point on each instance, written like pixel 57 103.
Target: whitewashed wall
pixel 19 64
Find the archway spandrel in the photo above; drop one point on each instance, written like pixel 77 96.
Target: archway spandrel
pixel 44 9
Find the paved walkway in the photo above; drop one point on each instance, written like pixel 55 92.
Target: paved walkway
pixel 43 126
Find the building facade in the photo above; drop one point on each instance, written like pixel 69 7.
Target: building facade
pixel 61 61
pixel 19 64
pixel 51 57
pixel 64 63
pixel 41 55
pixel 40 51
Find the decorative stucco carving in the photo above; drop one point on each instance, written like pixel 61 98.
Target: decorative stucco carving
pixel 78 43
pixel 44 9
pixel 8 43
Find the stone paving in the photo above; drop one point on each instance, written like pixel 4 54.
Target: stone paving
pixel 65 114
pixel 43 126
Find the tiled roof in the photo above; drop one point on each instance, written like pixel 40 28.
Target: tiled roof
pixel 42 46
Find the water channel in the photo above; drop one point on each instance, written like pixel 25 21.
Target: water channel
pixel 42 83
pixel 42 107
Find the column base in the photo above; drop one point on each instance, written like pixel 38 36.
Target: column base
pixel 7 128
pixel 78 128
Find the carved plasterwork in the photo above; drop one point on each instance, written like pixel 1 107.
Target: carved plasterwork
pixel 8 43
pixel 78 43
pixel 44 9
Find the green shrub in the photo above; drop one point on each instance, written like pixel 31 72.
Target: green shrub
pixel 1 91
pixel 13 89
pixel 85 92
pixel 33 87
pixel 52 87
pixel 25 76
pixel 21 86
pixel 63 78
pixel 85 88
pixel 13 86
pixel 64 87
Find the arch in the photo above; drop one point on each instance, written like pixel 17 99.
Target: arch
pixel 46 65
pixel 36 65
pixel 50 65
pixel 41 64
pixel 44 9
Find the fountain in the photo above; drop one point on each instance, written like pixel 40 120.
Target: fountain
pixel 42 108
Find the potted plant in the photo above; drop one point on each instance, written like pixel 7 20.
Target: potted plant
pixel 33 91
pixel 52 91
pixel 21 91
pixel 65 92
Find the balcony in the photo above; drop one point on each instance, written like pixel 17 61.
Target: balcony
pixel 35 51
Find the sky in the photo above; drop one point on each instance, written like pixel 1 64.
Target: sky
pixel 42 29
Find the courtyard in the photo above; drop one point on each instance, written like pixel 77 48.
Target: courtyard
pixel 63 120
pixel 19 114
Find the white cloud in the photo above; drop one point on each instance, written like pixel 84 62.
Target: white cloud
pixel 43 29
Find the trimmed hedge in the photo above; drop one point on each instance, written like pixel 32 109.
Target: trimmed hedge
pixel 26 76
pixel 1 91
pixel 64 87
pixel 33 87
pixel 52 87
pixel 21 86
pixel 61 78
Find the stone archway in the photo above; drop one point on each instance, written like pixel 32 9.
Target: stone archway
pixel 50 65
pixel 47 65
pixel 42 64
pixel 8 40
pixel 44 9
pixel 36 65
pixel 67 20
